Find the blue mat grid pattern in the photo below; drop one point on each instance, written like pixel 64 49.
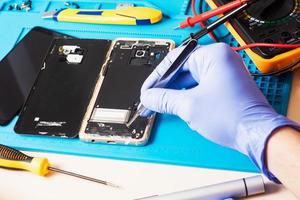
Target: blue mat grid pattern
pixel 275 88
pixel 172 141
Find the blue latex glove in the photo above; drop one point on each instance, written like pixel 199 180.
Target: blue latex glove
pixel 221 101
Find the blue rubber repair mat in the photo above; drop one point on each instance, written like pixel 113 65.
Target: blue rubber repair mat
pixel 172 141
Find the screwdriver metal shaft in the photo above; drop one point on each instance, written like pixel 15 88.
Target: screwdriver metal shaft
pixel 14 159
pixel 82 177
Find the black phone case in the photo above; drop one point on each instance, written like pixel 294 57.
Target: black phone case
pixel 62 91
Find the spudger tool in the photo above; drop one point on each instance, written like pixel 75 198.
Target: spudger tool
pixel 190 44
pixel 13 159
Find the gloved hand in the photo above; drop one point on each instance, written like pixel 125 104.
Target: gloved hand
pixel 221 101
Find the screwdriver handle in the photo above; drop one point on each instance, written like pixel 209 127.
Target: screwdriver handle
pixel 14 159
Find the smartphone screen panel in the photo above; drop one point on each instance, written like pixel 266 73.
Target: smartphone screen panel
pixel 19 69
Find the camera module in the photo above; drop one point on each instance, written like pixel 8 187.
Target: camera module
pixel 140 53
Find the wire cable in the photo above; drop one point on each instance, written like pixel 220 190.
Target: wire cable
pixel 211 34
pixel 253 45
pixel 286 69
pixel 201 3
pixel 201 10
pixel 270 45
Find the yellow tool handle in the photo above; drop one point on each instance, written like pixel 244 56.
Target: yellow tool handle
pixel 125 16
pixel 14 159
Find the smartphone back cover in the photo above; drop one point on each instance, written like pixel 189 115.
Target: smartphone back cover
pixel 59 98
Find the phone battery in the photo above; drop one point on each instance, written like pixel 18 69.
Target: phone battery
pixel 118 116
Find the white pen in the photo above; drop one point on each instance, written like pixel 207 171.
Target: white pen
pixel 232 189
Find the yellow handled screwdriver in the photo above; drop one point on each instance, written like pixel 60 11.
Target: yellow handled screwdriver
pixel 14 159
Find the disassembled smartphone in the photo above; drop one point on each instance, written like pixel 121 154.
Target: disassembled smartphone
pixel 117 92
pixel 91 88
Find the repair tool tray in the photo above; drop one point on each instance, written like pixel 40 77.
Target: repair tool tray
pixel 186 146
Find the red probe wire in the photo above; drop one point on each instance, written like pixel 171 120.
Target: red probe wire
pixel 191 21
pixel 274 45
pixel 201 23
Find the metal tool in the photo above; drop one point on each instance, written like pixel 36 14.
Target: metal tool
pixel 190 44
pixel 14 159
pixel 232 189
pixel 127 15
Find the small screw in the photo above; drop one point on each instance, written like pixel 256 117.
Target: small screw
pixel 67 3
pixel 138 135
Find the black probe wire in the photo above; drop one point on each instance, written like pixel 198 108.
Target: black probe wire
pixel 215 24
pixel 201 10
pixel 201 6
pixel 204 23
pixel 282 71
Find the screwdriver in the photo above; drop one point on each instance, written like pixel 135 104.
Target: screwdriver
pixel 14 159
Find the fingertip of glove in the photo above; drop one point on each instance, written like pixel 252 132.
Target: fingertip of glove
pixel 145 94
